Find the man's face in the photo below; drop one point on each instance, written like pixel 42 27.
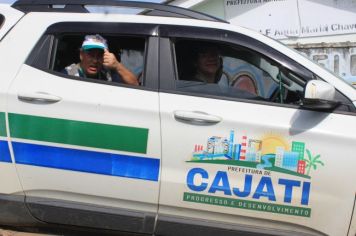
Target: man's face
pixel 91 61
pixel 208 61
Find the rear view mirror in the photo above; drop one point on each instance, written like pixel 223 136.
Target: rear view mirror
pixel 319 95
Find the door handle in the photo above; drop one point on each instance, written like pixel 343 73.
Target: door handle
pixel 38 98
pixel 196 117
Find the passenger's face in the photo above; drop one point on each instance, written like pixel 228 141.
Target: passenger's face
pixel 91 61
pixel 208 61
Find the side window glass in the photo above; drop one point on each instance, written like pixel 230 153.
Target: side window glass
pixel 91 57
pixel 219 69
pixel 117 59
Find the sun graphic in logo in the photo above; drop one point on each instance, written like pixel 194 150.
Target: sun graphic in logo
pixel 271 141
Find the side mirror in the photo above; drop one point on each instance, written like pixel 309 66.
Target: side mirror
pixel 319 95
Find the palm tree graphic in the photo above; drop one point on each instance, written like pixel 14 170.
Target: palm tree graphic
pixel 312 161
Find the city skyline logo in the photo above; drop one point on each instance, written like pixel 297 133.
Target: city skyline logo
pixel 272 153
pixel 244 174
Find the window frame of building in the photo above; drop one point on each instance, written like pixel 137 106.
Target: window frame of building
pixel 353 65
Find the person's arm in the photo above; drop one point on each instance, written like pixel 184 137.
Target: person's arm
pixel 112 63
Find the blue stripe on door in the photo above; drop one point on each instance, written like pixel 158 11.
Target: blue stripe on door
pixel 4 152
pixel 87 161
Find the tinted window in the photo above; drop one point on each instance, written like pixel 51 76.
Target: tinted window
pixel 128 50
pixel 238 73
pixel 61 53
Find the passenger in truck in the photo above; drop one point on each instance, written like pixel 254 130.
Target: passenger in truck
pixel 97 62
pixel 208 65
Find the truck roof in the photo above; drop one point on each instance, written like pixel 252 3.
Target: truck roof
pixel 80 6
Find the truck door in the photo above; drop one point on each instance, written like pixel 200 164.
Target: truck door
pixel 235 160
pixel 87 150
pixel 12 206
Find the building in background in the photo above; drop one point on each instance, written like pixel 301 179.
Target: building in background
pixel 323 30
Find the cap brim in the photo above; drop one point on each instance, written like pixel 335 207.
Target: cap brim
pixel 89 47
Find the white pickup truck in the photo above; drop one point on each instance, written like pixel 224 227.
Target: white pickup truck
pixel 267 148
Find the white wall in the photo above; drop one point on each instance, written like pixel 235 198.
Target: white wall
pixel 211 7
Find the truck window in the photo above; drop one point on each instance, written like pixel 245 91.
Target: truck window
pixel 128 50
pixel 241 73
pixel 58 52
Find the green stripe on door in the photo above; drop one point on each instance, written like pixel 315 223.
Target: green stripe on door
pixel 121 138
pixel 2 124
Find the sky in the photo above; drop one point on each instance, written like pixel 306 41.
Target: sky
pixel 12 1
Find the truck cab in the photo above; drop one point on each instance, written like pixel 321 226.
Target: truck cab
pixel 176 154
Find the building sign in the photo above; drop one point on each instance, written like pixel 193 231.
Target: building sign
pixel 281 19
